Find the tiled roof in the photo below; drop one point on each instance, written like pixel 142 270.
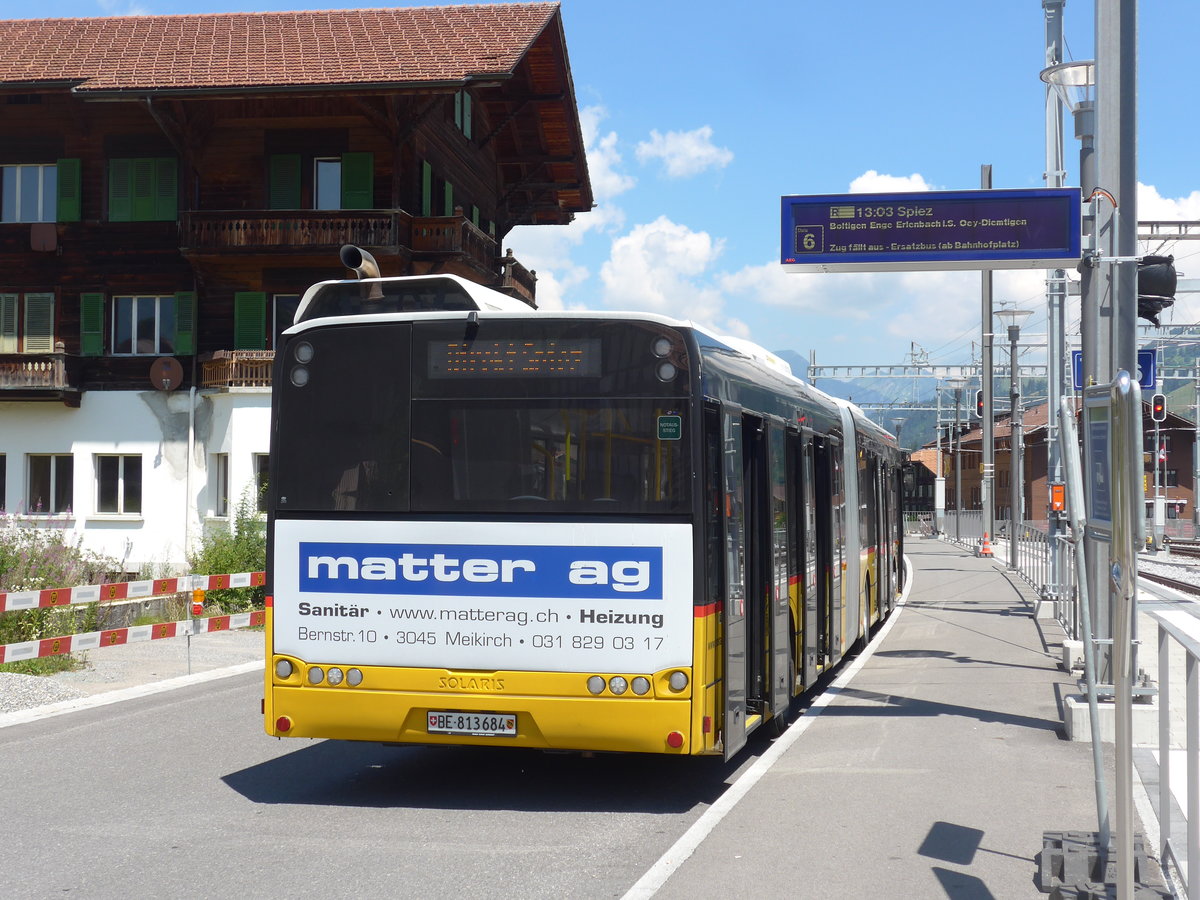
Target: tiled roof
pixel 277 49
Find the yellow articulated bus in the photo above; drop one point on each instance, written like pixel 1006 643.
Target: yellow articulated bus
pixel 496 526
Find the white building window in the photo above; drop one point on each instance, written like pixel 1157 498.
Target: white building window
pixel 51 484
pixel 119 485
pixel 143 325
pixel 28 193
pixel 219 484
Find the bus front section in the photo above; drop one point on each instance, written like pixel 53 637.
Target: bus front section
pixel 480 532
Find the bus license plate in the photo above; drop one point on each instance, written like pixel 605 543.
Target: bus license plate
pixel 477 724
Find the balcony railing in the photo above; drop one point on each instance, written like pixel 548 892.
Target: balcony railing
pixel 39 376
pixel 237 368
pixel 211 230
pixel 452 240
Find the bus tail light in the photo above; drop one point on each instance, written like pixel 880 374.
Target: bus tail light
pixel 316 675
pixel 640 685
pixel 596 684
pixel 283 723
pixel 354 677
pixel 678 681
pixel 283 668
pixel 675 740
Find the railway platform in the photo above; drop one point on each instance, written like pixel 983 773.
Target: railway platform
pixel 934 770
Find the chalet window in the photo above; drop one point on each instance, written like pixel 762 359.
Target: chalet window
pixel 143 326
pixel 285 313
pixel 327 181
pixel 27 323
pixel 1170 478
pixel 119 485
pixel 143 190
pixel 29 193
pixel 426 189
pixel 51 484
pixel 338 182
pixel 462 113
pixel 219 484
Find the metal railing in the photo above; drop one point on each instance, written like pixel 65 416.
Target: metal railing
pixel 237 368
pixel 1182 629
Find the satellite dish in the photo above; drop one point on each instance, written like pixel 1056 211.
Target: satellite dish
pixel 166 373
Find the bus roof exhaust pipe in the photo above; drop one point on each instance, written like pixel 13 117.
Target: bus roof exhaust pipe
pixel 364 266
pixel 362 262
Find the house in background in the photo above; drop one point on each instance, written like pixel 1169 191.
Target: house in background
pixel 170 186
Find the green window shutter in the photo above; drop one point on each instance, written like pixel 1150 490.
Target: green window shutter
pixel 185 323
pixel 8 323
pixel 458 110
pixel 466 115
pixel 69 206
pixel 120 190
pixel 426 189
pixel 166 189
pixel 448 195
pixel 249 320
pixel 358 181
pixel 142 197
pixel 283 188
pixel 39 323
pixel 91 324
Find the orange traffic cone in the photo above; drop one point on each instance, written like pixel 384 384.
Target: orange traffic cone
pixel 985 547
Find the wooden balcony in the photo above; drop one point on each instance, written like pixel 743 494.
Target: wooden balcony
pixel 226 369
pixel 223 231
pixel 429 243
pixel 40 376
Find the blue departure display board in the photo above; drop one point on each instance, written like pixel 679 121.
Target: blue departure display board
pixel 931 230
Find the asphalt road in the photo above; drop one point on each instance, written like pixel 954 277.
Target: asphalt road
pixel 181 794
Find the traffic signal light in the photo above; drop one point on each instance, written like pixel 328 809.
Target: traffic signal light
pixel 1156 283
pixel 979 403
pixel 1158 408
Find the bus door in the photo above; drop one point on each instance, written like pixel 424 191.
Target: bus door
pixel 735 645
pixel 805 516
pixel 760 582
pixel 783 567
pixel 829 526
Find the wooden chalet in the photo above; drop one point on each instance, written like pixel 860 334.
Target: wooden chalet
pixel 172 184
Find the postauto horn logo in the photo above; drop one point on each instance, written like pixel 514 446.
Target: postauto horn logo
pixel 479 570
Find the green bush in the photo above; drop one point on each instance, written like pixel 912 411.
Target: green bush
pixel 225 551
pixel 33 559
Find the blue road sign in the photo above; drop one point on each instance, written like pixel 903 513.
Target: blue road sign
pixel 1147 369
pixel 931 230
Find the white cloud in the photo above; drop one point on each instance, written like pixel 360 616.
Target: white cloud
pixel 684 153
pixel 1152 205
pixel 660 267
pixel 872 182
pixel 603 158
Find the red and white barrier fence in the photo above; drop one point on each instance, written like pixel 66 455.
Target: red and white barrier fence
pixel 114 637
pixel 12 601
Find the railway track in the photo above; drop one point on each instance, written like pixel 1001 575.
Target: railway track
pixel 1189 549
pixel 1185 587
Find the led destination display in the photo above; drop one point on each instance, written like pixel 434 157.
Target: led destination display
pixel 931 230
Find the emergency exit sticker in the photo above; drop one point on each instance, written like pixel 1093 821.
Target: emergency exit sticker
pixel 670 428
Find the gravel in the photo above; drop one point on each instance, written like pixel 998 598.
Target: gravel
pixel 130 665
pixel 27 691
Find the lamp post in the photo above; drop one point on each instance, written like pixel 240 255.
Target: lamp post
pixel 1016 513
pixel 957 382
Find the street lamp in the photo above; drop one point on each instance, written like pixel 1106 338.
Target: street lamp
pixel 1016 514
pixel 957 382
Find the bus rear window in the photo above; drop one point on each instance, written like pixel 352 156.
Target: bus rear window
pixel 593 456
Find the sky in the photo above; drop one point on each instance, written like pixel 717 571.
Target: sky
pixel 699 115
